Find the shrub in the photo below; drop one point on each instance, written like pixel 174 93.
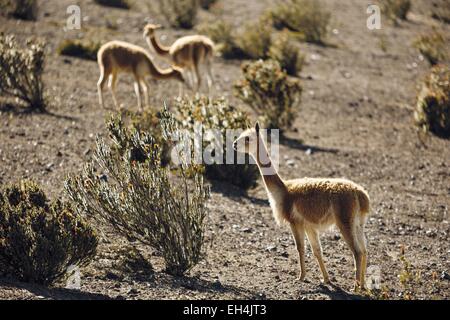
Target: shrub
pixel 40 240
pixel 255 40
pixel 180 13
pixel 432 112
pixel 432 46
pixel 441 11
pixel 142 199
pixel 270 92
pixel 21 71
pixel 222 34
pixel 303 16
pixel 149 121
pixel 79 49
pixel 206 4
pixel 122 4
pixel 213 115
pixel 20 9
pixel 287 54
pixel 396 9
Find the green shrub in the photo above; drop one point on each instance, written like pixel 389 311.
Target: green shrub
pixel 206 4
pixel 21 71
pixel 140 198
pixel 218 114
pixel 270 92
pixel 122 4
pixel 80 49
pixel 40 240
pixel 180 13
pixel 307 17
pixel 432 46
pixel 287 54
pixel 222 34
pixel 255 40
pixel 396 9
pixel 432 112
pixel 20 9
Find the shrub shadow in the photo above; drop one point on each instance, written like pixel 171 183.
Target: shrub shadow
pixel 53 292
pixel 299 145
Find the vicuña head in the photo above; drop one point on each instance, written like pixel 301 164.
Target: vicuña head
pixel 149 29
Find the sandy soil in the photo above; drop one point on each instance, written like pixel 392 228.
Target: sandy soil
pixel 356 119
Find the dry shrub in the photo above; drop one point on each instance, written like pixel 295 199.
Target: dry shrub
pixel 433 46
pixel 219 115
pixel 396 9
pixel 432 112
pixel 21 71
pixel 40 240
pixel 80 49
pixel 126 186
pixel 180 13
pixel 441 10
pixel 222 34
pixel 122 4
pixel 287 54
pixel 20 9
pixel 149 121
pixel 206 4
pixel 306 17
pixel 255 40
pixel 270 92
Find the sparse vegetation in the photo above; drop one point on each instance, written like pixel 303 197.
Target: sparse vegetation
pixel 40 240
pixel 441 11
pixel 219 115
pixel 222 34
pixel 140 198
pixel 307 18
pixel 21 71
pixel 432 112
pixel 433 46
pixel 180 13
pixel 206 4
pixel 20 9
pixel 287 54
pixel 270 92
pixel 122 4
pixel 397 9
pixel 149 121
pixel 80 49
pixel 409 280
pixel 255 40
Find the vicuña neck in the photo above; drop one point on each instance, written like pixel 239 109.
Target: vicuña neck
pixel 160 73
pixel 268 171
pixel 160 49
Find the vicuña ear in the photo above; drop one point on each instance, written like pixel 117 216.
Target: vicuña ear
pixel 257 127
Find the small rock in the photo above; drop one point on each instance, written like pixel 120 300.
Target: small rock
pixel 133 292
pixel 308 151
pixel 271 248
pixel 445 275
pixel 284 254
pixel 49 166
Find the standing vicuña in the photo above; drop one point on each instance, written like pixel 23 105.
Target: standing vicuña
pixel 310 205
pixel 121 57
pixel 188 52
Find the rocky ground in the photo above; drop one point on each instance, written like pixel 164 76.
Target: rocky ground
pixel 355 121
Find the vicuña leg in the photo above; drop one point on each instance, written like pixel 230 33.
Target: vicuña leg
pixel 209 75
pixel 112 88
pixel 137 90
pixel 298 231
pixel 100 86
pixel 348 234
pixel 144 86
pixel 314 241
